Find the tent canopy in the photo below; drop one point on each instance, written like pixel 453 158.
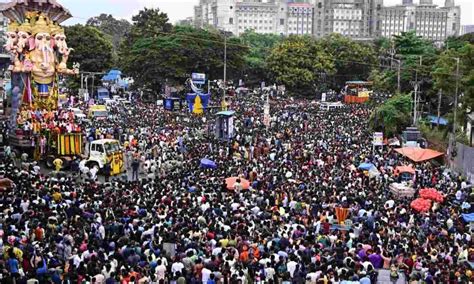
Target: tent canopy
pixel 419 154
pixel 434 120
pixel 113 75
pixel 405 169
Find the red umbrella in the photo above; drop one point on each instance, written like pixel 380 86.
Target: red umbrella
pixel 230 182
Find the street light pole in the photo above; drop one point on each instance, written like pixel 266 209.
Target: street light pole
pixel 416 94
pixel 398 77
pixel 456 96
pixel 225 63
pixel 452 144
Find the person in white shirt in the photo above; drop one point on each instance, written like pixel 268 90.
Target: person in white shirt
pixel 160 271
pixel 177 266
pixel 291 266
pixel 206 273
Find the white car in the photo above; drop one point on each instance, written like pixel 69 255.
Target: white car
pixel 78 114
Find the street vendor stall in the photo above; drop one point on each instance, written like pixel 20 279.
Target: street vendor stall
pixel 402 190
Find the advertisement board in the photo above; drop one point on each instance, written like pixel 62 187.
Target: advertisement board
pixel 378 139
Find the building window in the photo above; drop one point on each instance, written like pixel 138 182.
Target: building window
pixel 282 22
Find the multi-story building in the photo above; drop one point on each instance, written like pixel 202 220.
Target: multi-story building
pixel 299 19
pixel 358 19
pixel 282 17
pixel 427 20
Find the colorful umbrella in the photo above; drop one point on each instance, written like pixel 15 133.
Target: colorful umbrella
pixel 208 164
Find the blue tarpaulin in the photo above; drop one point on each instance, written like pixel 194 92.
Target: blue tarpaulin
pixel 208 164
pixel 468 217
pixel 366 166
pixel 113 75
pixel 434 120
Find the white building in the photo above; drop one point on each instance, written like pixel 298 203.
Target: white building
pixel 299 19
pixel 357 19
pixel 429 21
pixel 282 17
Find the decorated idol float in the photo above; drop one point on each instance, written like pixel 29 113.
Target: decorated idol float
pixel 39 56
pixel 39 52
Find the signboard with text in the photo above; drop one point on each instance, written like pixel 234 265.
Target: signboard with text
pixel 198 78
pixel 378 139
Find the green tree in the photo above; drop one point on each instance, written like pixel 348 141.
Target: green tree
pixel 172 56
pixel 260 46
pixel 91 47
pixel 384 81
pixel 444 76
pixel 114 28
pixel 149 23
pixel 297 62
pixel 353 60
pixel 409 48
pixel 392 116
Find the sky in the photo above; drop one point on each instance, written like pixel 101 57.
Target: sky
pixel 180 9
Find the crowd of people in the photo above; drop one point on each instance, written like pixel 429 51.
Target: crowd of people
pixel 176 222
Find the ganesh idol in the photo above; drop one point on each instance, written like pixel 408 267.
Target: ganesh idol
pixel 21 48
pixel 60 44
pixel 12 37
pixel 42 58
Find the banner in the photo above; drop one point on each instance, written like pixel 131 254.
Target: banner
pixel 378 139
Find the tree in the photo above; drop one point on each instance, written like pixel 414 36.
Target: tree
pixel 297 63
pixel 392 116
pixel 353 60
pixel 172 56
pixel 149 23
pixel 384 81
pixel 115 29
pixel 444 76
pixel 91 48
pixel 255 61
pixel 410 48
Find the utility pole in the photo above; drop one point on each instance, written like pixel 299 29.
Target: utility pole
pixel 392 51
pixel 416 83
pixel 452 144
pixel 440 93
pixel 225 63
pixel 456 97
pixel 398 76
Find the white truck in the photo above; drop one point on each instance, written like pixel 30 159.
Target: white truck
pixel 105 151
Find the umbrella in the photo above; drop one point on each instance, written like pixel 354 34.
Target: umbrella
pixel 365 166
pixel 232 180
pixel 208 164
pixel 373 172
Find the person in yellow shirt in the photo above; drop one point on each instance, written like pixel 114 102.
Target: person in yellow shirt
pixel 58 164
pixel 57 196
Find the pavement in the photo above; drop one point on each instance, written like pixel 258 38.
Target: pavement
pixel 384 278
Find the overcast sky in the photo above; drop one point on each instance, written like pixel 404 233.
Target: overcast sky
pixel 180 9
